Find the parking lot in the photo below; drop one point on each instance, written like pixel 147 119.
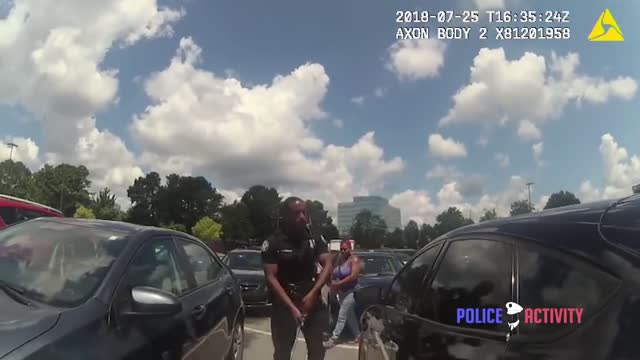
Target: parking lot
pixel 258 342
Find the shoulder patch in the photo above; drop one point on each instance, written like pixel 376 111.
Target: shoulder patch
pixel 265 245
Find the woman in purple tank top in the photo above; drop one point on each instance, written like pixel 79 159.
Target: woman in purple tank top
pixel 344 281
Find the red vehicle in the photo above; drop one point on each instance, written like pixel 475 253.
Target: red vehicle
pixel 13 209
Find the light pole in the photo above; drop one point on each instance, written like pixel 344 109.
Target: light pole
pixel 529 188
pixel 11 146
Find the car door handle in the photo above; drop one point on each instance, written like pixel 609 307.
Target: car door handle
pixel 198 311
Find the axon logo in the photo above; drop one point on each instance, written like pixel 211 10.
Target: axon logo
pixel 527 315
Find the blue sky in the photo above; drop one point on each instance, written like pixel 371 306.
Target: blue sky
pixel 254 42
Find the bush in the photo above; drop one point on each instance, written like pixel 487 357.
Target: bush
pixel 207 230
pixel 84 213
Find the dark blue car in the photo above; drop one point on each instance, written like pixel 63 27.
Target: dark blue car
pixel 87 289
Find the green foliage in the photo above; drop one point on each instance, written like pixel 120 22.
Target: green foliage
pixel 521 207
pixel 15 179
pixel 262 205
pixel 450 220
pixel 84 213
pixel 561 198
pixel 427 233
pixel 236 225
pixel 176 227
pixel 63 186
pixel 489 215
pixel 321 222
pixel 412 234
pixel 394 239
pixel 105 206
pixel 368 230
pixel 207 230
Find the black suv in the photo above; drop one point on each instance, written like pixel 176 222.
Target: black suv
pixel 577 257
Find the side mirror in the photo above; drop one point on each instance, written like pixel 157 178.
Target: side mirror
pixel 367 296
pixel 152 302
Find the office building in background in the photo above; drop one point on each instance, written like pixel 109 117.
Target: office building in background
pixel 348 211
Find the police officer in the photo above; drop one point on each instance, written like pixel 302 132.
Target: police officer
pixel 290 258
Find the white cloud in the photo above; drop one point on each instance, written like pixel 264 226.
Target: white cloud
pixel 52 55
pixel 528 89
pixel 503 159
pixel 380 92
pixel 443 172
pixel 241 136
pixel 445 147
pixel 418 205
pixel 528 131
pixel 448 194
pixel 537 152
pixel 588 192
pixel 27 151
pixel 359 100
pixel 416 59
pixel 338 123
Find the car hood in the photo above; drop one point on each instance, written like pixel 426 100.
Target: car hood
pixel 20 324
pixel 249 276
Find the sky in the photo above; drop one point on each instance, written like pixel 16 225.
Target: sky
pixel 321 100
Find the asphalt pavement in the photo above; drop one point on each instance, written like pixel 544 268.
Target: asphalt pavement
pixel 257 343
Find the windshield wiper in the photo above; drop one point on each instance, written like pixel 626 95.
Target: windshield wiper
pixel 15 292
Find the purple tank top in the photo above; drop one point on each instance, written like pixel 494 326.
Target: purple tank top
pixel 342 272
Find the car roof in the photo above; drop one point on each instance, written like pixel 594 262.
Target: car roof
pixel 575 228
pixel 114 226
pixel 12 201
pixel 235 251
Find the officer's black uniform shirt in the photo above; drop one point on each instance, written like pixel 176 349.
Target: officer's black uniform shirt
pixel 296 259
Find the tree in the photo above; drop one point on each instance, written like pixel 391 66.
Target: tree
pixel 207 230
pixel 368 230
pixel 84 213
pixel 521 207
pixel 427 233
pixel 321 222
pixel 15 179
pixel 561 198
pixel 262 204
pixel 143 195
pixel 450 220
pixel 186 199
pixel 236 224
pixel 489 215
pixel 105 206
pixel 63 186
pixel 395 239
pixel 412 234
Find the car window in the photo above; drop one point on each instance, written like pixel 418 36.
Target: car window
pixel 23 215
pixel 56 263
pixel 472 274
pixel 205 268
pixel 378 265
pixel 406 288
pixel 251 261
pixel 546 281
pixel 8 215
pixel 156 265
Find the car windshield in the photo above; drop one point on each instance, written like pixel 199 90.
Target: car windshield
pixel 56 263
pixel 244 261
pixel 379 265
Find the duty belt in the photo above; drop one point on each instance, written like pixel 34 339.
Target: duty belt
pixel 297 291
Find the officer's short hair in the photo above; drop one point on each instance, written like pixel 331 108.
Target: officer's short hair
pixel 286 204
